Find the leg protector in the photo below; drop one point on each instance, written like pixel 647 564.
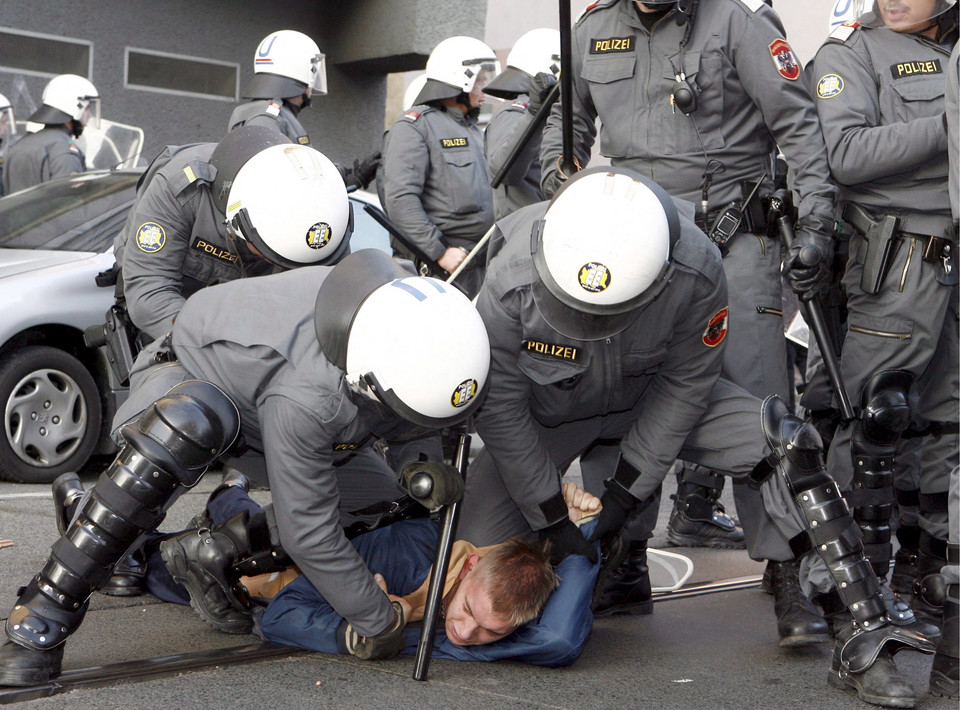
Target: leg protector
pixel 930 588
pixel 884 416
pixel 836 538
pixel 171 445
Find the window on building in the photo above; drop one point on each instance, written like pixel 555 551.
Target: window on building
pixel 44 55
pixel 180 74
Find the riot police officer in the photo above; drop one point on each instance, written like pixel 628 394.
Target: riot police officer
pixel 214 212
pixel 532 68
pixel 699 96
pixel 70 102
pixel 8 129
pixel 307 371
pixel 880 92
pixel 433 178
pixel 606 311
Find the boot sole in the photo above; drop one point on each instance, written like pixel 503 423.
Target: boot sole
pixel 175 559
pixel 848 684
pixel 26 678
pixel 943 687
pixel 804 640
pixel 122 591
pixel 638 609
pixel 678 540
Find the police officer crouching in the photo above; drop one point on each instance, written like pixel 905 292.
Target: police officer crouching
pixel 319 357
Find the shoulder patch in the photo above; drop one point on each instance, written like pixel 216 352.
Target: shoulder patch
pixel 841 33
pixel 303 140
pixel 519 104
pixel 830 85
pixel 411 115
pixel 716 329
pixel 73 146
pixel 784 59
pixel 753 5
pixel 150 237
pixel 273 108
pixel 552 350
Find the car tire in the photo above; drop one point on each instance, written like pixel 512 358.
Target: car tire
pixel 51 414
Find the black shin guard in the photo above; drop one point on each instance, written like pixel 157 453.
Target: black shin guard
pixel 835 536
pixel 169 448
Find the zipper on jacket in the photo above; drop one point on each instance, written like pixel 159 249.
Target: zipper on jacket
pixel 880 333
pixel 771 311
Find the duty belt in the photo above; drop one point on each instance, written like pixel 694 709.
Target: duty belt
pixel 863 222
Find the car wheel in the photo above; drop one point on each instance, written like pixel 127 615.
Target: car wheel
pixel 51 414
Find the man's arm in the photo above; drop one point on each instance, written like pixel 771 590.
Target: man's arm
pixel 153 260
pixel 859 148
pixel 500 137
pixel 65 159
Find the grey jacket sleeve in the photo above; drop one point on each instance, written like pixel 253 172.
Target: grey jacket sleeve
pixel 500 137
pixel 64 160
pixel 303 484
pixel 953 129
pixel 788 111
pixel 505 422
pixel 406 162
pixel 152 280
pixel 584 118
pixel 680 392
pixel 859 148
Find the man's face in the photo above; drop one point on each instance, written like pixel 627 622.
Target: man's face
pixel 907 15
pixel 469 617
pixel 477 97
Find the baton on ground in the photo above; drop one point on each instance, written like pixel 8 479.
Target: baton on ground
pixel 567 159
pixel 438 577
pixel 533 127
pixel 813 313
pixel 478 247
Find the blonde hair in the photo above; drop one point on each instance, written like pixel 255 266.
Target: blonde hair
pixel 519 578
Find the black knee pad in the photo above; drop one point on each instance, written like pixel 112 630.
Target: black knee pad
pixel 884 408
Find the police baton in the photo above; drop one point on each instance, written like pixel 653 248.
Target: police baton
pixel 567 160
pixel 473 252
pixel 812 311
pixel 438 577
pixel 379 217
pixel 534 126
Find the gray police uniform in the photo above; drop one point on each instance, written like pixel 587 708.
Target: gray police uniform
pixel 435 185
pixel 38 157
pixel 296 411
pixel 521 185
pixel 271 113
pixel 951 572
pixel 549 396
pixel 174 241
pixel 881 94
pixel 751 98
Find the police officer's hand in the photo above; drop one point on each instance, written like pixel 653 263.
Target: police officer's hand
pixel 617 504
pixel 566 539
pixel 809 263
pixel 451 259
pixel 384 645
pixel 364 171
pixel 540 86
pixel 551 182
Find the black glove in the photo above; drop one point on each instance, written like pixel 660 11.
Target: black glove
pixel 566 539
pixel 809 262
pixel 540 86
pixel 551 183
pixel 365 171
pixel 433 485
pixel 617 505
pixel 368 648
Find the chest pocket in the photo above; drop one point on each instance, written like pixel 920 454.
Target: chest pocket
pixel 639 363
pixel 703 73
pixel 563 374
pixel 921 97
pixel 608 70
pixel 461 176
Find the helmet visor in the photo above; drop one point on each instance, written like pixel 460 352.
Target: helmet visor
pixel 8 127
pixel 483 69
pixel 906 16
pixel 318 70
pixel 91 114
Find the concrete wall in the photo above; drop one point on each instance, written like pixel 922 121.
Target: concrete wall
pixel 362 40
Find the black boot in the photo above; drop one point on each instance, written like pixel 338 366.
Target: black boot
pixel 627 589
pixel 210 562
pixel 232 478
pixel 698 519
pixel 945 674
pixel 799 622
pixel 20 665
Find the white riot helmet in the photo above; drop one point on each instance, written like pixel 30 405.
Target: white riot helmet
pixel 602 251
pixel 285 65
pixel 412 343
pixel 66 98
pixel 8 126
pixel 458 64
pixel 411 93
pixel 288 200
pixel 907 16
pixel 535 52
